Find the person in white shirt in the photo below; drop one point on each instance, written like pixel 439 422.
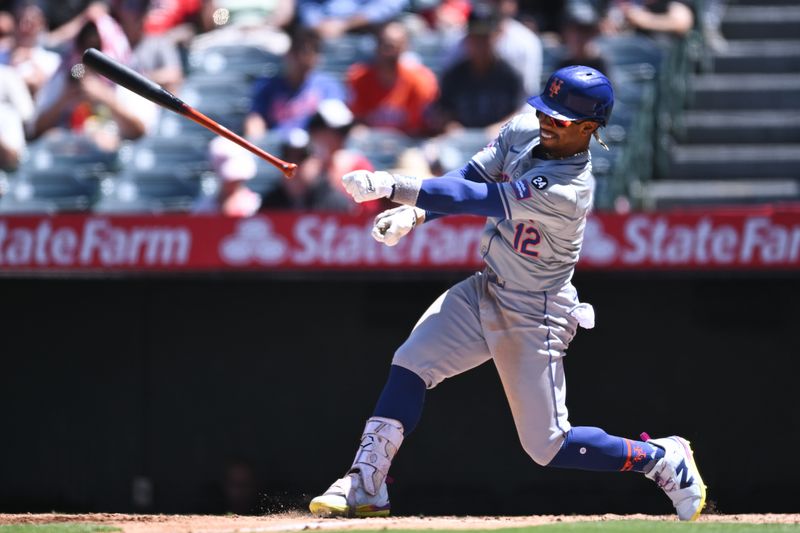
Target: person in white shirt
pixel 234 166
pixel 16 106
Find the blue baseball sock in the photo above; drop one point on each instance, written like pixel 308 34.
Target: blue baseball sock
pixel 589 448
pixel 402 398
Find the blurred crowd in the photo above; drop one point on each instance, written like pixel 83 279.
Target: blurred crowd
pixel 431 69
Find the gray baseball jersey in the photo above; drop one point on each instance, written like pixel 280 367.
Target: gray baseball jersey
pixel 546 202
pixel 522 312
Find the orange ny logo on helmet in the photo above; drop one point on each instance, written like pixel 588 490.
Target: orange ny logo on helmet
pixel 555 87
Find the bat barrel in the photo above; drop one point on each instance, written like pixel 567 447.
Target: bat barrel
pixel 132 80
pixel 135 82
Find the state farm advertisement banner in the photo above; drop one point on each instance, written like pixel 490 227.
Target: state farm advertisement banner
pixel 719 240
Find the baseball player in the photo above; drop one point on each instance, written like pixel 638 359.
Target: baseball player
pixel 534 184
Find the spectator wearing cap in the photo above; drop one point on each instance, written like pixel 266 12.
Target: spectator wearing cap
pixel 582 20
pixel 392 92
pixel 334 18
pixel 316 184
pixel 482 90
pixel 291 98
pixel 233 166
pixel 515 43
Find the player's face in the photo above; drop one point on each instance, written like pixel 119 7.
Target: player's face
pixel 564 137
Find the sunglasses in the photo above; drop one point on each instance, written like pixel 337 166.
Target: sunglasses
pixel 556 122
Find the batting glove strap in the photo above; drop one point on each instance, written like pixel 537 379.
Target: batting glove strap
pixel 405 189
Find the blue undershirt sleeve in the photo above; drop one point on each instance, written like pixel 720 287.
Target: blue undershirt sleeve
pixel 469 197
pixel 458 196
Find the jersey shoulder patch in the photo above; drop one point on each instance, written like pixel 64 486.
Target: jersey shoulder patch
pixel 521 189
pixel 540 182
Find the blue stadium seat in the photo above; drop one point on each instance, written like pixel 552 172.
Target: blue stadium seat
pixel 155 190
pixel 338 54
pixel 230 90
pixel 267 176
pixel 60 172
pixel 154 151
pixel 380 146
pixel 230 116
pixel 53 189
pixel 432 49
pixel 246 61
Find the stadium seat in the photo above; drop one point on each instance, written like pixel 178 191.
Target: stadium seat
pixel 66 150
pixel 230 116
pixel 338 54
pixel 267 176
pixel 155 190
pixel 458 147
pixel 637 56
pixel 59 172
pixel 53 189
pixel 165 152
pixel 380 146
pixel 231 90
pixel 246 61
pixel 431 48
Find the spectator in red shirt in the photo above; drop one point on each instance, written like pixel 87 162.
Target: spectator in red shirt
pixel 164 15
pixel 392 92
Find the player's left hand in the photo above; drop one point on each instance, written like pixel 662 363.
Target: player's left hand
pixel 364 185
pixel 394 224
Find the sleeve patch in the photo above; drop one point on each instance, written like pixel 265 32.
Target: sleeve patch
pixel 521 190
pixel 540 182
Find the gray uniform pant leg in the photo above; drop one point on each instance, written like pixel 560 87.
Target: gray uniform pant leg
pixel 448 339
pixel 528 334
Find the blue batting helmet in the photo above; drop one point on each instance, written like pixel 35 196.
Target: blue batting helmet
pixel 576 93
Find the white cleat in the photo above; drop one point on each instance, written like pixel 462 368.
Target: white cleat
pixel 677 474
pixel 346 497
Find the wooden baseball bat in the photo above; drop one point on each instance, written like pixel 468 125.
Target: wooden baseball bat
pixel 135 82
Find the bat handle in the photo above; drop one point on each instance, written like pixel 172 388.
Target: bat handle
pixel 288 169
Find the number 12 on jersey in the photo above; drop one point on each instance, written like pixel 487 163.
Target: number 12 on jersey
pixel 525 246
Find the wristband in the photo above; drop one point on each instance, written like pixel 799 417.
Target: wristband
pixel 405 189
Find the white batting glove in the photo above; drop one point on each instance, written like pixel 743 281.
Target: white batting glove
pixel 364 185
pixel 394 224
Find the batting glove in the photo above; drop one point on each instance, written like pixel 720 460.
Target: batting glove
pixel 364 185
pixel 394 224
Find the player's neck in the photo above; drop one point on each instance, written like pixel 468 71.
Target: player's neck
pixel 541 153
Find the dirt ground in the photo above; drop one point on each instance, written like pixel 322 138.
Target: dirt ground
pixel 296 521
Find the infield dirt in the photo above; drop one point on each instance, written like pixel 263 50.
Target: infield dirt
pixel 297 521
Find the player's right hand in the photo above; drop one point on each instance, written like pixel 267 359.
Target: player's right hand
pixel 365 186
pixel 393 224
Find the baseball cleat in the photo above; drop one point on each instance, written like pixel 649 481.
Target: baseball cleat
pixel 346 498
pixel 677 474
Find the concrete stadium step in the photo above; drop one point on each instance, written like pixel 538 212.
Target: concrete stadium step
pixel 674 193
pixel 768 56
pixel 740 127
pixel 761 2
pixel 745 91
pixel 743 161
pixel 761 22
